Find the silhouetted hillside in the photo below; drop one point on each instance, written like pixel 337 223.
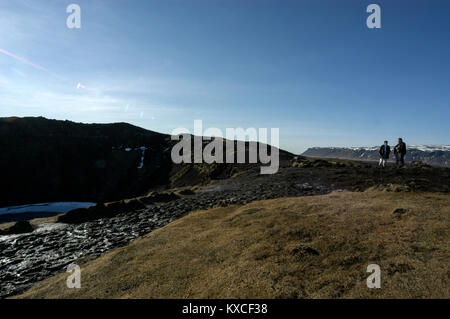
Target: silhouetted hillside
pixel 45 160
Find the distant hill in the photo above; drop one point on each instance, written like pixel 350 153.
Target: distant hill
pixel 432 155
pixel 44 160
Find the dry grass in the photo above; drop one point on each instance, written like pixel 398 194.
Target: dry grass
pixel 34 222
pixel 6 225
pixel 307 247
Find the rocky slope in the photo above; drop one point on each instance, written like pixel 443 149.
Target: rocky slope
pixel 28 258
pixel 433 155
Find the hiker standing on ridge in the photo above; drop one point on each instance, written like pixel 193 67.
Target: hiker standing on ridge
pixel 400 151
pixel 385 150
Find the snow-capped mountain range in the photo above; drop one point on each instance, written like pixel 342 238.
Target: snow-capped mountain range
pixel 438 155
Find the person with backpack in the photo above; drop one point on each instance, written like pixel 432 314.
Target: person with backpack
pixel 399 152
pixel 384 152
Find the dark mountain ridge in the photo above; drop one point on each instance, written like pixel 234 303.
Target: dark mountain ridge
pixel 48 160
pixel 44 160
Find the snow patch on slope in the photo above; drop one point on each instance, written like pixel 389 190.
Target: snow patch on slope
pixel 129 149
pixel 141 164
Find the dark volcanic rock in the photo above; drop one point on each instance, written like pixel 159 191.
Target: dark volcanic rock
pixel 80 215
pixel 19 227
pixel 302 250
pixel 400 211
pixel 186 192
pixel 156 197
pixel 28 258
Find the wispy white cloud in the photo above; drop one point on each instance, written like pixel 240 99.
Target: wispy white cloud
pixel 21 59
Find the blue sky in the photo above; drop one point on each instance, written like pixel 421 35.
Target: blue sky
pixel 311 68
